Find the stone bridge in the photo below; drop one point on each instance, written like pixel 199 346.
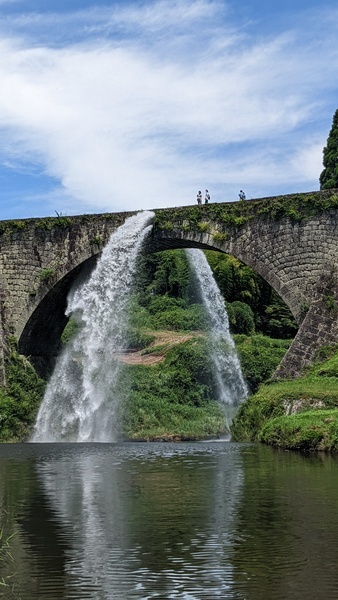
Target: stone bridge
pixel 291 241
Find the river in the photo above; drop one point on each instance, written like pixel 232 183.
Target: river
pixel 160 520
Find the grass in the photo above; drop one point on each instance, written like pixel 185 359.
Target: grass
pixel 294 414
pixel 175 399
pixel 5 557
pixel 312 431
pixel 296 207
pixel 155 418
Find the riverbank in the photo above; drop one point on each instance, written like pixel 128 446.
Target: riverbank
pixel 167 395
pixel 300 414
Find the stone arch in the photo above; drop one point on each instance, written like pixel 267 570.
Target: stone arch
pixel 289 293
pixel 40 337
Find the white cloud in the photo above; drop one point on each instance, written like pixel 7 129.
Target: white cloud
pixel 126 124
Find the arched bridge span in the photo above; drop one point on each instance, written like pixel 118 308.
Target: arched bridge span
pixel 291 241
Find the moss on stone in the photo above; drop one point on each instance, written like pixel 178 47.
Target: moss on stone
pixel 297 207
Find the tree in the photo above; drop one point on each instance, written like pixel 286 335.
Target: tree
pixel 329 177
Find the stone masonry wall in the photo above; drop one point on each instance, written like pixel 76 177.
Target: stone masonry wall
pixel 2 339
pixel 39 253
pixel 319 328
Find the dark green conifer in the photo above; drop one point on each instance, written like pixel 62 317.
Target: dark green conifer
pixel 329 176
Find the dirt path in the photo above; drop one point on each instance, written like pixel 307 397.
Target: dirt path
pixel 163 342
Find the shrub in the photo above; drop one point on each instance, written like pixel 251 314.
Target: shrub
pixel 241 318
pixel 46 274
pixel 181 319
pixel 259 357
pixel 137 339
pixel 203 226
pixel 20 400
pixel 219 237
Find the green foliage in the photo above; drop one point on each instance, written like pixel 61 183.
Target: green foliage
pixel 330 303
pixel 277 320
pixel 259 357
pixel 327 362
pixel 191 318
pixel 219 237
pixel 237 282
pixel 311 431
pixel 316 391
pixel 203 226
pixel 139 316
pixel 20 400
pixel 304 309
pixel 46 274
pixel 18 224
pixel 163 273
pixel 137 339
pixel 326 352
pixel 166 313
pixel 174 398
pixel 49 223
pixel 71 328
pixel 252 415
pixel 97 240
pixel 233 215
pixel 160 304
pixel 329 176
pixel 241 318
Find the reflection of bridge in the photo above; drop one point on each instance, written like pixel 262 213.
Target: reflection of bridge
pixel 291 241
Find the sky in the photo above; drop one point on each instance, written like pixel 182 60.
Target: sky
pixel 131 105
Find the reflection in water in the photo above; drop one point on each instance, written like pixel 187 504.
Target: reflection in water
pixel 148 528
pixel 188 521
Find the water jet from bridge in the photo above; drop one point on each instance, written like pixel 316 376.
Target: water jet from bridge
pixel 80 403
pixel 231 386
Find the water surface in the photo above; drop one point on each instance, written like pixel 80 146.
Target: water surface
pixel 190 521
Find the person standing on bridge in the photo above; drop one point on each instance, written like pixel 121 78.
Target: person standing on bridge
pixel 199 198
pixel 207 197
pixel 241 194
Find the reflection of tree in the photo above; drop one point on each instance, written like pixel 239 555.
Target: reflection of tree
pixel 286 527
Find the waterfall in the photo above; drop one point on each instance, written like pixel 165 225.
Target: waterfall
pixel 80 403
pixel 231 386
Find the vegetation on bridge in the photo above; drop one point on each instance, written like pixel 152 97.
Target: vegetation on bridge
pixel 63 222
pixel 229 215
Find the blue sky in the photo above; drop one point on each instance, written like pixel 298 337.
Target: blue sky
pixel 108 106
